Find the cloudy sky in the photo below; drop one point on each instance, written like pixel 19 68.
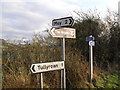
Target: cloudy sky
pixel 23 18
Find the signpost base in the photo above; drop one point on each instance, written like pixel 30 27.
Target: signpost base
pixel 91 63
pixel 41 81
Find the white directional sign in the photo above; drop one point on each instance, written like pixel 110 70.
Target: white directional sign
pixel 61 22
pixel 49 66
pixel 63 32
pixel 91 43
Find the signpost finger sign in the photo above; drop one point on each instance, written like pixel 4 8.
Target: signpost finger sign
pixel 61 22
pixel 63 32
pixel 45 67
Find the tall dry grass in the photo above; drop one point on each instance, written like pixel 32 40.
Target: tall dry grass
pixel 18 58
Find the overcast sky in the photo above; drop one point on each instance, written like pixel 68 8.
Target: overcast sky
pixel 23 18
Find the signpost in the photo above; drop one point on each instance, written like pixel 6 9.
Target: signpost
pixel 62 22
pixel 91 44
pixel 63 74
pixel 45 67
pixel 63 32
pixel 58 30
pixel 41 81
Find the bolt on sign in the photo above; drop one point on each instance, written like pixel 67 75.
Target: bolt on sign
pixel 90 38
pixel 63 32
pixel 62 22
pixel 91 43
pixel 45 67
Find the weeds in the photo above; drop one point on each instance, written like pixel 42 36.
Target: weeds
pixel 109 80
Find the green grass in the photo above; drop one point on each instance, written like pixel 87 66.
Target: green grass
pixel 109 80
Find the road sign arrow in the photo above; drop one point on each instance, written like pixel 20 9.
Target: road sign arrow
pixel 32 68
pixel 71 21
pixel 63 32
pixel 52 31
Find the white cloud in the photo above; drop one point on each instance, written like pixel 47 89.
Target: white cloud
pixel 24 17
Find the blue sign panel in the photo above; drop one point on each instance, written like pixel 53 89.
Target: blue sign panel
pixel 90 38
